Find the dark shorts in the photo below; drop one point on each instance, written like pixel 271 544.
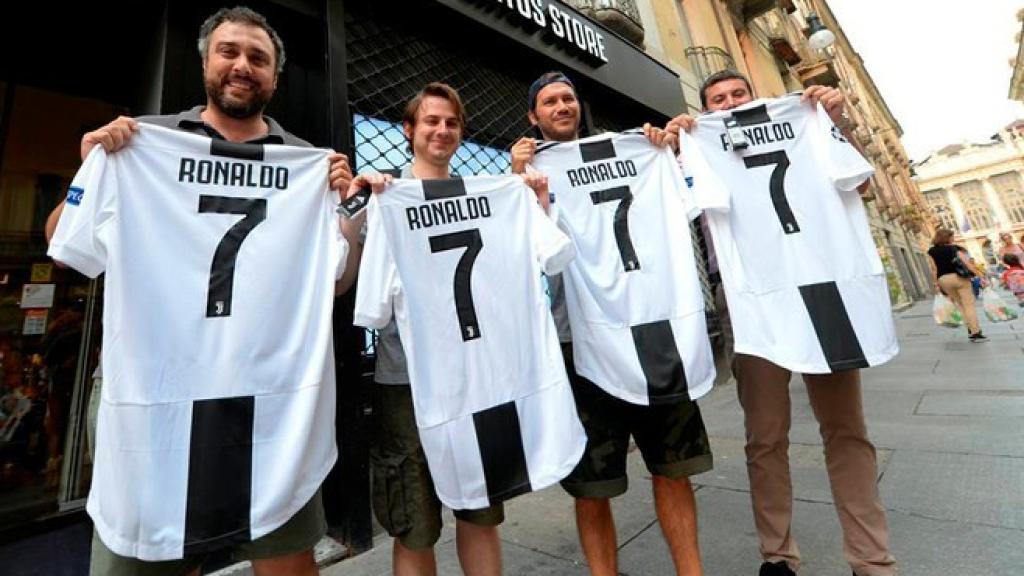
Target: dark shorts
pixel 300 533
pixel 404 500
pixel 671 438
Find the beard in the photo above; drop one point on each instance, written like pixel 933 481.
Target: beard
pixel 234 107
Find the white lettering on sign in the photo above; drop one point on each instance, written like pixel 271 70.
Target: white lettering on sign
pixel 576 33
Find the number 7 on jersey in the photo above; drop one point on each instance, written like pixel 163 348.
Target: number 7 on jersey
pixel 464 307
pixel 777 186
pixel 222 269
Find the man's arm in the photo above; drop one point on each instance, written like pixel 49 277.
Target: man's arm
pixel 112 137
pixel 352 229
pixel 522 154
pixel 51 221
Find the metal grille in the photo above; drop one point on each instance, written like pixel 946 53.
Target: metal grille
pixel 389 64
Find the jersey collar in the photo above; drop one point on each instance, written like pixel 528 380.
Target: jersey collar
pixel 192 121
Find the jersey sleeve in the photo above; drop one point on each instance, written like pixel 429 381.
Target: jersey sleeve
pixel 378 275
pixel 88 209
pixel 707 192
pixel 680 184
pixel 553 248
pixel 846 168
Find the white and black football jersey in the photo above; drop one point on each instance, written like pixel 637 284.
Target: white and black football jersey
pixel 633 293
pixel 804 282
pixel 458 262
pixel 217 417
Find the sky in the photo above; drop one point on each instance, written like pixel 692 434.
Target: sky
pixel 940 65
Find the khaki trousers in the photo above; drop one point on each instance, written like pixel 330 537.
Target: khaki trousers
pixel 763 390
pixel 958 290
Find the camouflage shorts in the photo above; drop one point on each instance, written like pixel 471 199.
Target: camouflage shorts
pixel 404 500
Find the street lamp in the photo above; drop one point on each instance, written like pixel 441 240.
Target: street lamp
pixel 819 37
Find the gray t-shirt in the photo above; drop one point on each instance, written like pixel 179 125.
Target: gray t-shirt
pixel 556 291
pixel 391 366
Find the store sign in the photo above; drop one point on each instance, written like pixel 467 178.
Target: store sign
pixel 574 44
pixel 560 25
pixel 35 323
pixel 42 272
pixel 37 295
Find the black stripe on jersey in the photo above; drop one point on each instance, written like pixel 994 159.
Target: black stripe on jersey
pixel 832 324
pixel 599 150
pixel 239 150
pixel 501 452
pixel 219 474
pixel 660 362
pixel 751 116
pixel 544 146
pixel 443 188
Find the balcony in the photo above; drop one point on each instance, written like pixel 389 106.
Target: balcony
pixel 821 72
pixel 747 10
pixel 785 51
pixel 706 60
pixel 773 25
pixel 620 16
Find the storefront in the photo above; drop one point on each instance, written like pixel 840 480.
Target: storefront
pixel 351 66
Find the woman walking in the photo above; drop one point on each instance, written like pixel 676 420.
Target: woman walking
pixel 952 268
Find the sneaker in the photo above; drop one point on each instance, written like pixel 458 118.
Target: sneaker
pixel 779 568
pixel 977 337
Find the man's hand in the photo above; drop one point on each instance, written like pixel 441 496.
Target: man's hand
pixel 339 174
pixel 522 154
pixel 539 183
pixel 681 122
pixel 112 137
pixel 830 98
pixel 661 136
pixel 376 182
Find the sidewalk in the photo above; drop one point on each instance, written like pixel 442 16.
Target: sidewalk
pixel 946 416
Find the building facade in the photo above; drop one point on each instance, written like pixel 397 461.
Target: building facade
pixel 977 190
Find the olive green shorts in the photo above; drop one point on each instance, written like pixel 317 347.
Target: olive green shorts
pixel 404 500
pixel 671 438
pixel 300 533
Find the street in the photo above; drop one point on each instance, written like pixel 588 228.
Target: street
pixel 947 417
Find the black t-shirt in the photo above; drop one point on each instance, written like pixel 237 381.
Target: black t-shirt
pixel 943 257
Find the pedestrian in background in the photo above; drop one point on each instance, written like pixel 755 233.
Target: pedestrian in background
pixel 1013 277
pixel 952 268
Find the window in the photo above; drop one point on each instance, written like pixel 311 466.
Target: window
pixel 976 207
pixel 940 207
pixel 1011 195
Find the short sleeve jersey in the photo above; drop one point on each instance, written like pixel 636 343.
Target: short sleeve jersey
pixel 216 420
pixel 803 279
pixel 633 293
pixel 458 262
